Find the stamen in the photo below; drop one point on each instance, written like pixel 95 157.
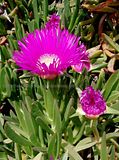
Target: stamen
pixel 48 59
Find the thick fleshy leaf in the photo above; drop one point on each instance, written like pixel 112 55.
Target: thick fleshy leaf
pixel 18 28
pixel 73 154
pixel 103 152
pixel 35 10
pixel 111 42
pixel 84 144
pixel 54 146
pixel 3 155
pixel 18 152
pixel 43 125
pixel 110 110
pixel 111 85
pixel 38 156
pixel 12 134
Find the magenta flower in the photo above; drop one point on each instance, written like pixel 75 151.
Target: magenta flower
pixel 54 21
pixel 49 52
pixel 92 102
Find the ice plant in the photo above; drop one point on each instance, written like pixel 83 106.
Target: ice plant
pixel 92 102
pixel 50 51
pixel 54 21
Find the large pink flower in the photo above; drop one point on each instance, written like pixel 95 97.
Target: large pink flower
pixel 92 102
pixel 48 52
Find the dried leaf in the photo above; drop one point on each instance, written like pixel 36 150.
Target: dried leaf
pixel 110 65
pixel 2 40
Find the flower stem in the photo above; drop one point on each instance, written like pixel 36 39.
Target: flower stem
pixel 95 130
